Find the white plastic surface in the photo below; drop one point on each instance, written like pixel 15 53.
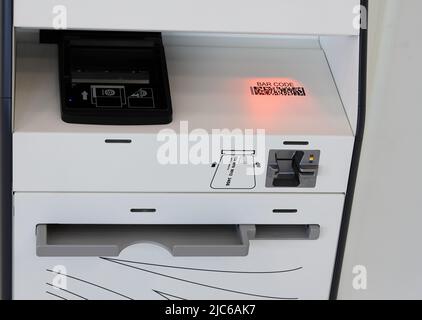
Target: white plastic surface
pixel 238 16
pixel 143 269
pixel 210 89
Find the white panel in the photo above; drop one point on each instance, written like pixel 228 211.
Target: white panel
pixel 78 162
pixel 144 271
pixel 210 88
pixel 310 262
pixel 269 16
pixel 177 208
pixel 343 57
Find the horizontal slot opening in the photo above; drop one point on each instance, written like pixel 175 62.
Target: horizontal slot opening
pixel 296 143
pixel 285 211
pixel 143 210
pixel 180 240
pixel 287 232
pixel 118 141
pixel 68 234
pixel 61 234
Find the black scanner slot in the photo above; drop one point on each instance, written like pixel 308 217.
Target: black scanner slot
pixel 116 78
pixel 288 169
pixel 292 168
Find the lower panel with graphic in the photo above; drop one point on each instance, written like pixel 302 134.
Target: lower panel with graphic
pixel 276 270
pixel 70 246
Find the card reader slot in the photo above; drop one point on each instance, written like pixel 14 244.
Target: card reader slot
pixel 180 240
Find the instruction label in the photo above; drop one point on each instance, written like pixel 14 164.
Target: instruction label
pixel 236 170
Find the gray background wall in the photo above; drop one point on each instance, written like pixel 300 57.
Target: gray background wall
pixel 387 215
pixel 385 230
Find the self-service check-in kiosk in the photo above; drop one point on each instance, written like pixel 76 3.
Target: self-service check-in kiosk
pixel 180 149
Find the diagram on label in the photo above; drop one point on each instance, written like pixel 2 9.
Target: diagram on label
pixel 142 98
pixel 236 170
pixel 106 96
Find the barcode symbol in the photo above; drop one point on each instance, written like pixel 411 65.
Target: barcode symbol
pixel 278 91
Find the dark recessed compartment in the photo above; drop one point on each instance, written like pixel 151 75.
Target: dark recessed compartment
pixel 115 78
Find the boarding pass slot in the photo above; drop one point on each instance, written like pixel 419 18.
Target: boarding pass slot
pixel 179 240
pixel 112 78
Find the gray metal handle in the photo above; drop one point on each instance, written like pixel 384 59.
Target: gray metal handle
pixel 179 240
